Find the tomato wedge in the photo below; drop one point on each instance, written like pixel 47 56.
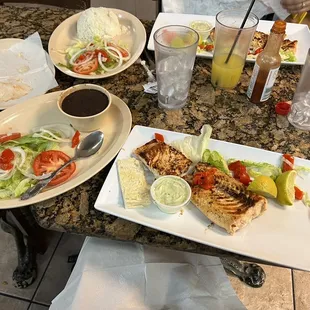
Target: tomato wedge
pixel 76 139
pixel 122 50
pixel 239 172
pixel 49 161
pixel 86 68
pixel 299 194
pixel 258 51
pixel 286 166
pixel 205 179
pixel 159 137
pixel 12 136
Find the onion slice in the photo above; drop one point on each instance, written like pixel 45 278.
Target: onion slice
pixel 22 153
pixel 74 56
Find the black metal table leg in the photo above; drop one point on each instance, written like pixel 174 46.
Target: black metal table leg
pixel 26 270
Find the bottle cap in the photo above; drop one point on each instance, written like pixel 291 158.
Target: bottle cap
pixel 279 27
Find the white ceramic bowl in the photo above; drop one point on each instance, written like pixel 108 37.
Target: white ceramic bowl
pixel 85 123
pixel 171 208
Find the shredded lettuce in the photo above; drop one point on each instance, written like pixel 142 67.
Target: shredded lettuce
pixel 18 181
pixel 306 200
pixel 256 169
pixel 215 159
pixel 194 146
pixel 288 56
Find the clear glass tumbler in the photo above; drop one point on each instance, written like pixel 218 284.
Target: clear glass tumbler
pixel 300 112
pixel 226 73
pixel 175 53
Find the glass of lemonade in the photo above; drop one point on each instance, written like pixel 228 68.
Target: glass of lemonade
pixel 175 53
pixel 226 72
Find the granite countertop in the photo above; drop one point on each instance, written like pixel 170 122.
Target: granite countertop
pixel 231 115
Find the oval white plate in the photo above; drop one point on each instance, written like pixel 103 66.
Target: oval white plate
pixel 66 32
pixel 5 44
pixel 42 111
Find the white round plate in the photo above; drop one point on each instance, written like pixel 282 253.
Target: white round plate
pixel 43 110
pixel 5 44
pixel 64 35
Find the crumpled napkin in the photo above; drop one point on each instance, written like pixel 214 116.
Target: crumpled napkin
pixel 26 62
pixel 124 275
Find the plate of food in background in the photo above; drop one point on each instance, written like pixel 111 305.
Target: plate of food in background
pixel 97 43
pixel 23 65
pixel 293 50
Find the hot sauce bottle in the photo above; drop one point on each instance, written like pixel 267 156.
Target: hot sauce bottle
pixel 267 65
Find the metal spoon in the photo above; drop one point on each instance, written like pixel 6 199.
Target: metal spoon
pixel 86 148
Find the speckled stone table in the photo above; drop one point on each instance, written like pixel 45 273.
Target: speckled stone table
pixel 232 116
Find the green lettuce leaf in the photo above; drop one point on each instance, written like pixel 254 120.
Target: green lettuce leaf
pixel 288 56
pixel 215 159
pixel 256 169
pixel 194 146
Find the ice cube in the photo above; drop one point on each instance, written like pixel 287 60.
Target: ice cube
pixel 167 91
pixel 169 64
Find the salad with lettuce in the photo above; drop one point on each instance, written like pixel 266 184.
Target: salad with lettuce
pixel 26 159
pixel 95 57
pixel 263 178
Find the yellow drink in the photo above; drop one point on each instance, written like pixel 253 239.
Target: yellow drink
pixel 226 75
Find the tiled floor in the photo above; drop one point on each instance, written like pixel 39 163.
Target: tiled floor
pixel 284 289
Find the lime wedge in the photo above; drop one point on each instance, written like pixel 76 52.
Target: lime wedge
pixel 285 183
pixel 264 186
pixel 177 42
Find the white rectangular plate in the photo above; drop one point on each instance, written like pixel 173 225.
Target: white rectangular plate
pixel 293 31
pixel 281 235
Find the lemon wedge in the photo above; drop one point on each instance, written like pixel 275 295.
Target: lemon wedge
pixel 264 186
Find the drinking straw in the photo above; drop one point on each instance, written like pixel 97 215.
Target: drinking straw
pixel 239 32
pixel 300 16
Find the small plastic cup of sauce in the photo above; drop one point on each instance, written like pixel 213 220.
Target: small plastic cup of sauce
pixel 170 193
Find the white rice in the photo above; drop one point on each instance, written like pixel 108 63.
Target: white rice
pixel 98 22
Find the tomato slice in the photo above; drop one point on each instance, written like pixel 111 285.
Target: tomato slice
pixel 6 166
pixel 49 161
pixel 12 136
pixel 286 166
pixel 283 108
pixel 299 194
pixel 239 172
pixel 209 47
pixel 76 139
pixel 84 56
pixel 159 137
pixel 86 68
pixel 7 156
pixel 122 50
pixel 103 54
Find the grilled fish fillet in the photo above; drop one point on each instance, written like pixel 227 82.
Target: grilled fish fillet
pixel 163 159
pixel 228 204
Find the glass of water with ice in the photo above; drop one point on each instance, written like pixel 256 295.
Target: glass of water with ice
pixel 175 53
pixel 300 111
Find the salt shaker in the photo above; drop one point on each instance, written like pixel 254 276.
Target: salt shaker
pixel 300 111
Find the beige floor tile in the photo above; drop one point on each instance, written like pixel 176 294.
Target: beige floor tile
pixel 59 269
pixel 302 289
pixel 275 294
pixel 8 263
pixel 9 303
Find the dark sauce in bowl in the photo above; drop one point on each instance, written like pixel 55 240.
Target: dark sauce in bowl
pixel 85 102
